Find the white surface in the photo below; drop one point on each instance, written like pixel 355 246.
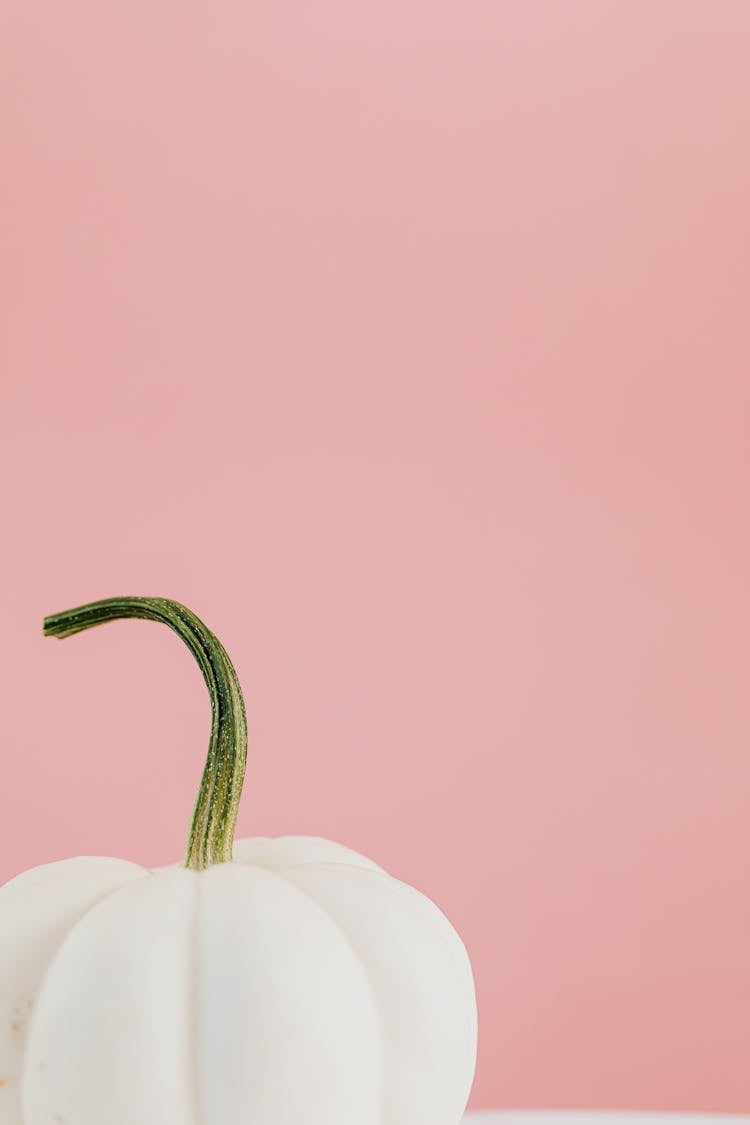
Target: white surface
pixel 598 1117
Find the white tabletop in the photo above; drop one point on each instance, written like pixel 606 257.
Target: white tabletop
pixel 597 1117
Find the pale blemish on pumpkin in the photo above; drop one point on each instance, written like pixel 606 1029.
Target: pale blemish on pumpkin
pixel 20 1016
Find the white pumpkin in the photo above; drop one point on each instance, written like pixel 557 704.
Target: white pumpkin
pixel 293 983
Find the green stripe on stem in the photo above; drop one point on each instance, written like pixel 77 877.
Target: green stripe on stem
pixel 215 815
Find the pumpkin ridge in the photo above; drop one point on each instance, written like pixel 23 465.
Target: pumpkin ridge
pixel 442 930
pixel 280 873
pixel 453 944
pixel 22 1075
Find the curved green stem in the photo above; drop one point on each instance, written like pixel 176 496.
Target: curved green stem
pixel 215 815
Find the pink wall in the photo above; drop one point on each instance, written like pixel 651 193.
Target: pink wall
pixel 408 344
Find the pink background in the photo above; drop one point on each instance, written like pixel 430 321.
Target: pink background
pixel 408 344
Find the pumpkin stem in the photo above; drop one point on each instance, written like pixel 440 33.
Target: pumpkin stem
pixel 215 815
